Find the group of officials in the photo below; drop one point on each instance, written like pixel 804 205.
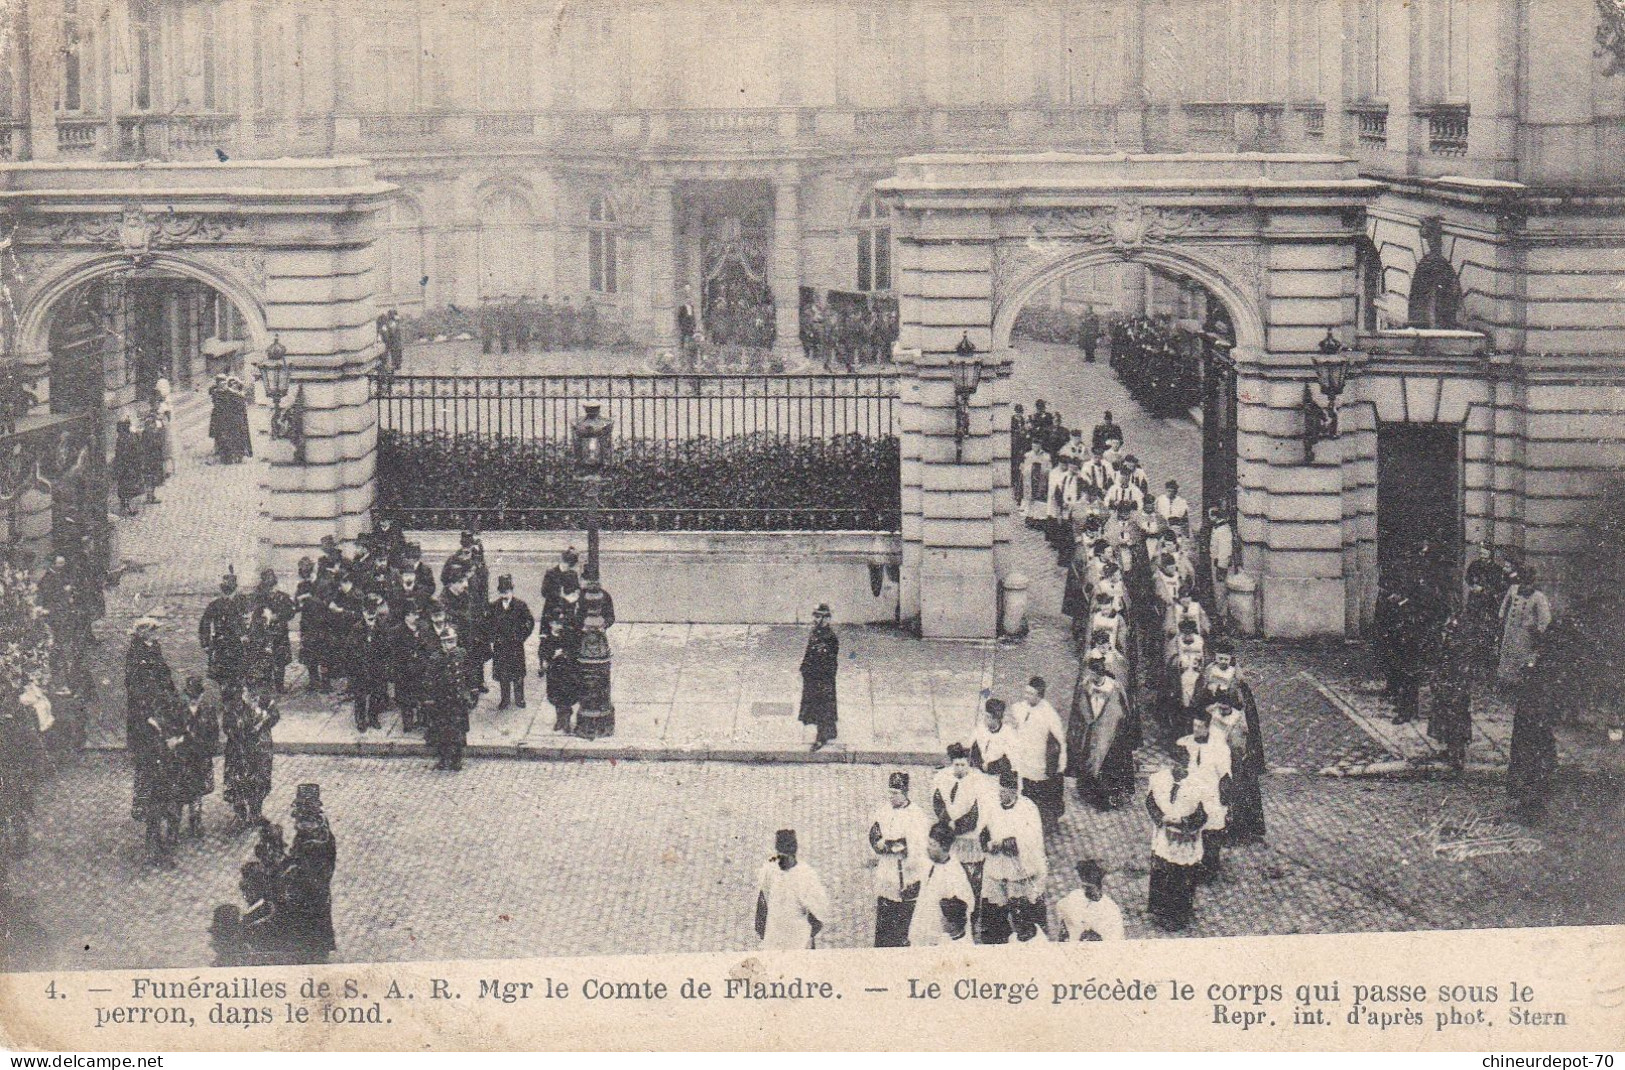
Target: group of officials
pixel 971 864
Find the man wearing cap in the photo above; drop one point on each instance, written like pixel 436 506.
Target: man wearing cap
pixel 959 796
pixel 469 559
pixel 554 579
pixel 559 651
pixel 220 633
pixel 1101 738
pixel 897 836
pixel 1177 817
pixel 942 915
pixel 1088 913
pixel 1013 878
pixel 509 622
pixel 273 609
pixel 447 701
pixel 818 668
pixel 1039 752
pixel 791 903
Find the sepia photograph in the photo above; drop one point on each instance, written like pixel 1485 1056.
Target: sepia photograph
pixel 511 479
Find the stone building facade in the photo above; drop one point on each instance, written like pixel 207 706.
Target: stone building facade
pixel 607 152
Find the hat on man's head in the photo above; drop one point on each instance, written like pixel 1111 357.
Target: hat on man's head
pixel 329 542
pixel 228 582
pixel 1009 779
pixel 570 556
pixel 1222 645
pixel 465 538
pixel 956 751
pixel 784 842
pixel 898 781
pixel 227 921
pixel 1091 871
pixel 822 610
pixel 307 801
pixel 504 583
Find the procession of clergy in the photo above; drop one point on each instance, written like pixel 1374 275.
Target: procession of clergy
pixel 965 859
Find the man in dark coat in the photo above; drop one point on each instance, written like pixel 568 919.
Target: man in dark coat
pixel 1400 625
pixel 273 610
pixel 310 602
pixel 200 723
pixel 818 668
pixel 467 613
pixel 369 658
pixel 343 613
pixel 149 688
pixel 407 645
pixel 1089 335
pixel 558 650
pixel 246 722
pixel 447 702
pixel 1450 718
pixel 509 623
pixel 307 881
pixel 469 559
pixel 220 634
pixel 553 581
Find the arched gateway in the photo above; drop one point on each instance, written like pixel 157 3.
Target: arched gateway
pixel 1272 236
pixel 287 243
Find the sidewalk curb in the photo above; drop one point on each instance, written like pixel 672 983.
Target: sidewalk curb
pixel 611 751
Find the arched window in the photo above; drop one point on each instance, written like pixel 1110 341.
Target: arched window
pixel 602 273
pixel 507 252
pixel 403 235
pixel 1368 268
pixel 1435 294
pixel 874 244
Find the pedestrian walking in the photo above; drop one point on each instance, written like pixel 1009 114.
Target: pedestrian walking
pixel 1013 878
pixel 818 668
pixel 220 634
pixel 1177 817
pixel 272 611
pixel 509 623
pixel 1039 754
pixel 1450 719
pixel 1525 615
pixel 1102 756
pixel 200 725
pixel 1533 761
pixel 1208 758
pixel 791 902
pixel 897 836
pixel 149 688
pixel 942 913
pixel 128 467
pixel 307 880
pixel 247 721
pixel 960 795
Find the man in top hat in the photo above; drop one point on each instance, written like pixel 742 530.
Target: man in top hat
pixel 410 641
pixel 220 633
pixel 469 559
pixel 509 622
pixel 791 903
pixel 897 836
pixel 1039 754
pixel 1088 913
pixel 942 914
pixel 1013 878
pixel 818 668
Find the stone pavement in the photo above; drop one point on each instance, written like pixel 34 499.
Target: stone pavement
pixel 512 859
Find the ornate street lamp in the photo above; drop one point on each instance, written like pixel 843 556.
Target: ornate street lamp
pixel 593 450
pixel 1331 372
pixel 966 368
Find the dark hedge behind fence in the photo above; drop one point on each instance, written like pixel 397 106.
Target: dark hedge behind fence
pixel 753 482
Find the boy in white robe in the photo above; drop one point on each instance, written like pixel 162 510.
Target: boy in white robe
pixel 1013 879
pixel 992 742
pixel 897 836
pixel 959 797
pixel 1210 767
pixel 791 903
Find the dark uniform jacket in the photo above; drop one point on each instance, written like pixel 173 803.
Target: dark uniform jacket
pixel 508 627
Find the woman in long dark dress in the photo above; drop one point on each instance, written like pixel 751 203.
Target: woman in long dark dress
pixel 308 881
pixel 818 668
pixel 1534 743
pixel 128 467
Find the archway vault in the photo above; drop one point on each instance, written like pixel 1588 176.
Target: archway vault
pixel 1272 237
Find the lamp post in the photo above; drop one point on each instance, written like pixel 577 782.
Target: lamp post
pixel 966 369
pixel 592 453
pixel 277 375
pixel 1331 372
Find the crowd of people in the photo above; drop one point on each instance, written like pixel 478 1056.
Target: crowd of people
pixel 971 863
pixel 523 325
pixel 1497 633
pixel 1158 363
pixel 847 334
pixel 287 890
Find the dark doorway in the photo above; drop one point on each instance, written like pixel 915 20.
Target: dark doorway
pixel 1218 414
pixel 1419 530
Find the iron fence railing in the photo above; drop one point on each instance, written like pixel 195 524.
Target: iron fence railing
pixel 691 452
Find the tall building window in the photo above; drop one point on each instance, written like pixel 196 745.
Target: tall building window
pixel 504 59
pixel 874 245
pixel 142 45
pixel 404 244
pixel 72 87
pixel 602 271
pixel 978 51
pixel 206 49
pixel 1368 50
pixel 507 247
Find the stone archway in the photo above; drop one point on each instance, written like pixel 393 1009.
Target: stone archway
pixel 288 242
pixel 1272 236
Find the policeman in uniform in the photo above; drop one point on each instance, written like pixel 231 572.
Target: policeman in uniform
pixel 448 702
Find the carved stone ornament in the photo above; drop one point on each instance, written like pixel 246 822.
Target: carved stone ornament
pixel 1126 224
pixel 139 234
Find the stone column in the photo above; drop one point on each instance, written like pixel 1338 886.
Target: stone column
pixel 40 42
pixel 662 250
pixel 787 264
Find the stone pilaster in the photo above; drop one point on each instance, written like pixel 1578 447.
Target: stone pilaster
pixel 662 249
pixel 787 264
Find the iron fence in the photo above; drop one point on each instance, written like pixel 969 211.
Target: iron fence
pixel 692 452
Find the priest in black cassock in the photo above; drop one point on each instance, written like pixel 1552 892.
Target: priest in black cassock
pixel 818 668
